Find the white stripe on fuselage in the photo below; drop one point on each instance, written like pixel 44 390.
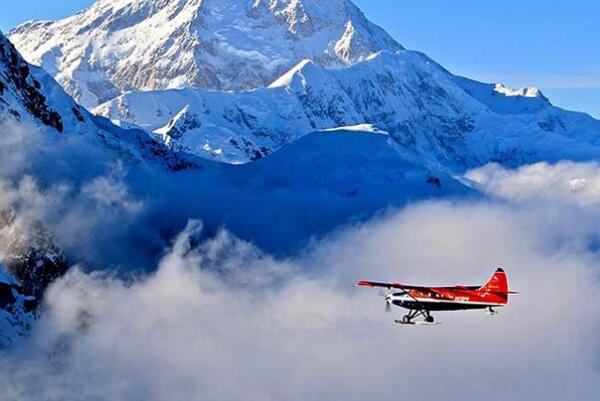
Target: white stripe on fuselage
pixel 408 298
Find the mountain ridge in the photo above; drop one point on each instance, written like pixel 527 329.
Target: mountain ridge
pixel 445 121
pixel 116 46
pixel 28 95
pixel 328 67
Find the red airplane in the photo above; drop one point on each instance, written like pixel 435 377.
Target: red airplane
pixel 421 301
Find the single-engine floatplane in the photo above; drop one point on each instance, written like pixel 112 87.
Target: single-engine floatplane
pixel 421 301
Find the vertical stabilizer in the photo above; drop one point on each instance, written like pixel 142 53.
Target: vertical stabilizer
pixel 497 284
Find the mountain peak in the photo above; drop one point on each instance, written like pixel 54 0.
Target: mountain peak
pixel 121 45
pixel 529 91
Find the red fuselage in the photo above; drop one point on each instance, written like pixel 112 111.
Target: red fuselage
pixel 447 299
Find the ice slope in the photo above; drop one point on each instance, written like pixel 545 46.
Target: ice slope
pixel 436 118
pixel 121 45
pixel 308 188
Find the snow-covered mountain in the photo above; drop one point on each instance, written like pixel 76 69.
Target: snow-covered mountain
pixel 122 45
pixel 213 191
pixel 28 95
pixel 436 118
pixel 170 66
pixel 100 195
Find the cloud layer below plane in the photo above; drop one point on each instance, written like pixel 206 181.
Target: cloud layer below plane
pixel 566 182
pixel 219 320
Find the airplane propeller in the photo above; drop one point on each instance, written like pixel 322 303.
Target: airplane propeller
pixel 388 303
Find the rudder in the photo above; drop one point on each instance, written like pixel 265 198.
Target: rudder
pixel 498 283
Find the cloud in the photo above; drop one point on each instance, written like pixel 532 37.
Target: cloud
pixel 565 182
pixel 75 188
pixel 221 320
pixel 112 192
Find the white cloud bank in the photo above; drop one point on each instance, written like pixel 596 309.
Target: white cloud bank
pixel 564 182
pixel 219 320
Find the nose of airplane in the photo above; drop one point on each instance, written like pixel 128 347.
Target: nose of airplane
pixel 388 303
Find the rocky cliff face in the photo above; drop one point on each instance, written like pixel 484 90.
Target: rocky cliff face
pixel 29 254
pixel 21 93
pixel 29 262
pixel 17 309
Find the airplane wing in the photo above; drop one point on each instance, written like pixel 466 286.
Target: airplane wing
pixel 405 288
pixel 390 285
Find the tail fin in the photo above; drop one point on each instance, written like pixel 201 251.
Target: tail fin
pixel 497 284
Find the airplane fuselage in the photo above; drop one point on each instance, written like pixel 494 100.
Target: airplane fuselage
pixel 444 304
pixel 422 300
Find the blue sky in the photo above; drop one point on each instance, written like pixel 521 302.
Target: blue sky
pixel 549 45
